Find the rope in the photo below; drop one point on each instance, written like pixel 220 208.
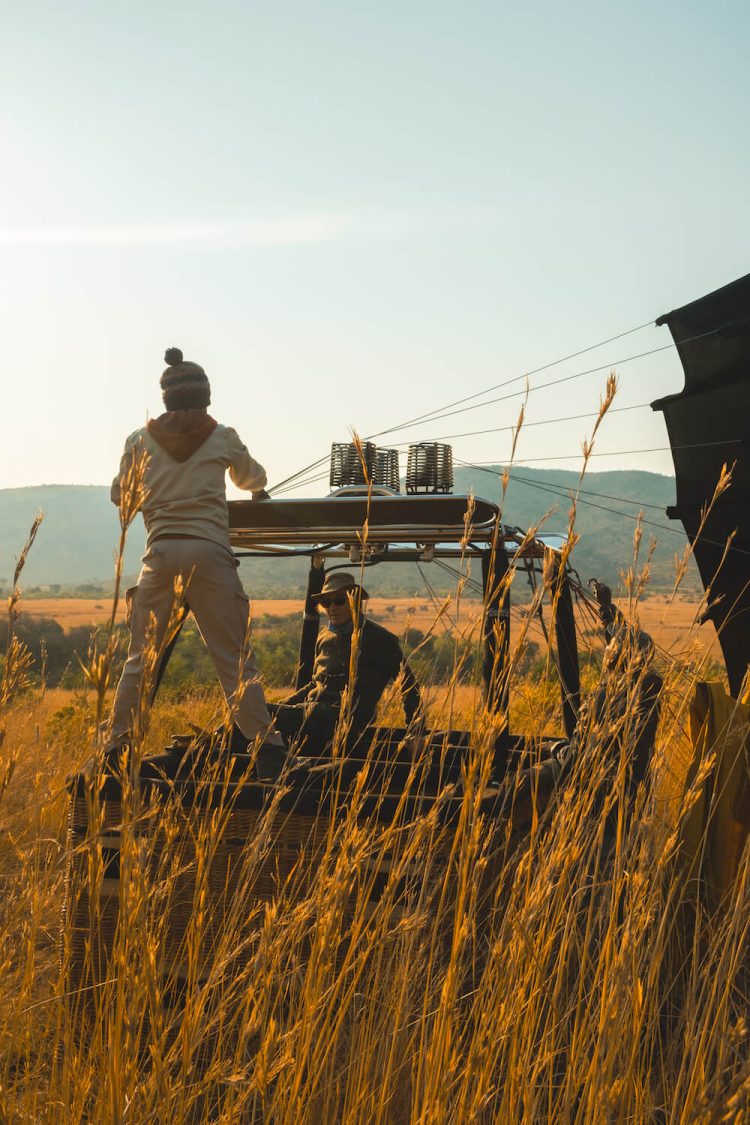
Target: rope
pixel 446 411
pixel 529 390
pixel 516 378
pixel 440 611
pixel 563 457
pixel 478 394
pixel 553 489
pixel 588 492
pixel 516 612
pixel 528 425
pixel 434 416
pixel 470 582
pixel 616 452
pixel 587 602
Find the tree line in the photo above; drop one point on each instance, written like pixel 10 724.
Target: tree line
pixel 58 653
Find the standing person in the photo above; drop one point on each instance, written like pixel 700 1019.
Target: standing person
pixel 311 714
pixel 187 455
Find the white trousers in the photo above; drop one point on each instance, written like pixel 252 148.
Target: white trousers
pixel 221 608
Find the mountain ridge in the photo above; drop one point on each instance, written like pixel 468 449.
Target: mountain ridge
pixel 76 542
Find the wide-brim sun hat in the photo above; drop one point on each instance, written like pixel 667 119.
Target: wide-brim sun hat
pixel 339 582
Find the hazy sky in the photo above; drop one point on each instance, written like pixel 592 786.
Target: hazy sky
pixel 351 213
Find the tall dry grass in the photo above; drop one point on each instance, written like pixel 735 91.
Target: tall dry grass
pixel 496 978
pixel 556 974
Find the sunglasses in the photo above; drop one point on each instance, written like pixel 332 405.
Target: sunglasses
pixel 337 599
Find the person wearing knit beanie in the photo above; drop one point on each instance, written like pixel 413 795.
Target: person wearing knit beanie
pixel 184 456
pixel 184 385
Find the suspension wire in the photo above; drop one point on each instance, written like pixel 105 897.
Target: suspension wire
pixel 517 378
pixel 588 602
pixel 552 489
pixel 531 578
pixel 538 628
pixel 528 425
pixel 435 416
pixel 561 457
pixel 439 608
pixel 589 492
pixel 616 452
pixel 308 468
pixel 564 495
pixel 583 622
pixel 518 613
pixel 300 483
pixel 543 623
pixel 588 607
pixel 529 390
pixel 589 611
pixel 476 586
pixel 442 412
pixel 477 394
pixel 472 583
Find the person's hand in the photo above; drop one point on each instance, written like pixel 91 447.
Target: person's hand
pixel 602 593
pixel 261 494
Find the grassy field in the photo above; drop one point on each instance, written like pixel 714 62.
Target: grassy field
pixel 528 949
pixel 523 978
pixel 567 990
pixel 671 623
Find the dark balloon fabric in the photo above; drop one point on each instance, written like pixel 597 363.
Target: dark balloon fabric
pixel 709 426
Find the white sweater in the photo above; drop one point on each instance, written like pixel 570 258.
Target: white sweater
pixel 188 498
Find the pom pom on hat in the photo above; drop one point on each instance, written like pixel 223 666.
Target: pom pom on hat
pixel 184 385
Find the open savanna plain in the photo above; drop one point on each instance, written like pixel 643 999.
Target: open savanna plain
pixel 672 622
pixel 506 973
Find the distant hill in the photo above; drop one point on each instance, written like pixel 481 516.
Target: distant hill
pixel 76 542
pixel 607 509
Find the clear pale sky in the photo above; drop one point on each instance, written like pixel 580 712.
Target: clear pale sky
pixel 351 213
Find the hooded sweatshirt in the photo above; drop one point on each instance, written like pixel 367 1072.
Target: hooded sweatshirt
pixel 188 456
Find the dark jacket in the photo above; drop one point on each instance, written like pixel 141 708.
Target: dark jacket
pixel 379 661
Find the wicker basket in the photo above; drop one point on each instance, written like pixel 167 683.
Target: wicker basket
pixel 211 857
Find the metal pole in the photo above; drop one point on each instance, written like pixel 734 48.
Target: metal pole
pixel 496 627
pixel 567 651
pixel 310 622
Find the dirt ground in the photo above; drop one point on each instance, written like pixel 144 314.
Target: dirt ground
pixel 672 626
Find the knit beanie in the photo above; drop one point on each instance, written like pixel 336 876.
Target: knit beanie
pixel 184 385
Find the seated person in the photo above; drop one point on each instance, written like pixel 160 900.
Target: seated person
pixel 310 715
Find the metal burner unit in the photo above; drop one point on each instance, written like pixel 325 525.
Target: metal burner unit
pixel 429 468
pixel 365 464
